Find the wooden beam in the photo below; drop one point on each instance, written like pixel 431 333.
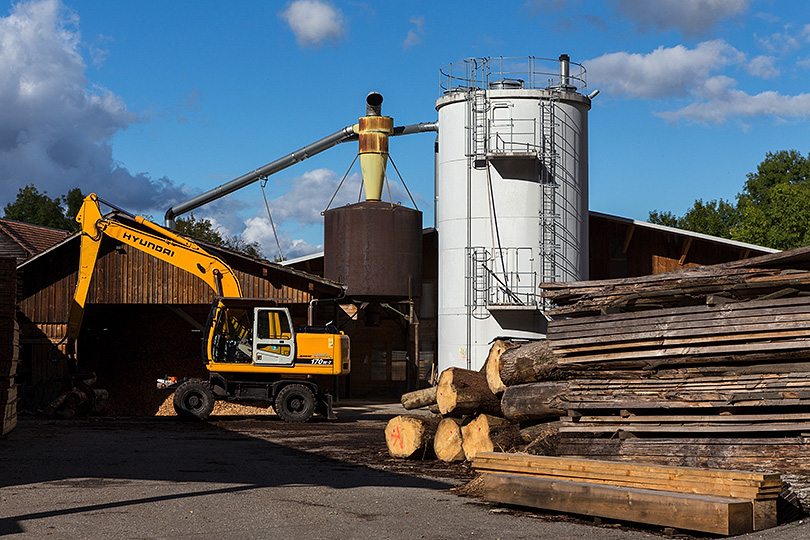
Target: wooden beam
pixel 685 250
pixel 717 515
pixel 627 238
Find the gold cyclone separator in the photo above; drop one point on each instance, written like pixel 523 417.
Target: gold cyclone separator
pixel 373 131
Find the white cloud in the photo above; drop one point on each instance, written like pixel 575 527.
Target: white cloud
pixel 719 100
pixel 663 73
pixel 696 75
pixel 314 23
pixel 259 229
pixel 778 43
pixel 56 126
pixel 763 67
pixel 310 193
pixel 690 17
pixel 415 34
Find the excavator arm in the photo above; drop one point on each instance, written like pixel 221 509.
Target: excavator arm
pixel 157 242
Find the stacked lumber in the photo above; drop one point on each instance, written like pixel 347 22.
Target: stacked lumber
pixel 706 367
pixel 9 344
pixel 723 502
pixel 770 331
pixel 768 276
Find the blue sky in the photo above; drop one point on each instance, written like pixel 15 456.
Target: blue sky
pixel 151 102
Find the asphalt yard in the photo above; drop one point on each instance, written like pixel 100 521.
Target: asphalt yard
pixel 256 477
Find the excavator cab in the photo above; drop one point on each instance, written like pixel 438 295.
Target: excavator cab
pixel 273 337
pixel 256 335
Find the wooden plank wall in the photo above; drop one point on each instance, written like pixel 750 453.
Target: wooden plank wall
pixel 125 277
pixel 136 278
pixel 619 250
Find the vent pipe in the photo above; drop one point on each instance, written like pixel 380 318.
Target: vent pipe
pixel 565 71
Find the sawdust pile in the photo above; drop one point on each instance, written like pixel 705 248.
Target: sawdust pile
pixel 221 408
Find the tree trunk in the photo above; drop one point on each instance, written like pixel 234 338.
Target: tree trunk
pixel 543 438
pixel 419 398
pixel 410 436
pixel 489 434
pixel 532 401
pixel 465 392
pixel 492 367
pixel 447 442
pixel 528 363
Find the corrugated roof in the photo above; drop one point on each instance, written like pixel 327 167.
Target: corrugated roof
pixel 33 239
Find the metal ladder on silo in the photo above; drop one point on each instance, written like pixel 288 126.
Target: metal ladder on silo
pixel 549 214
pixel 480 107
pixel 478 282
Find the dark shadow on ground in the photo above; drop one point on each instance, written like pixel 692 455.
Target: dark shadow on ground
pixel 237 453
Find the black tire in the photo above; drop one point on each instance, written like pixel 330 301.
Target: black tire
pixel 295 403
pixel 193 399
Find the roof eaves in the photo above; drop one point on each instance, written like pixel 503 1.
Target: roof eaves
pixel 683 232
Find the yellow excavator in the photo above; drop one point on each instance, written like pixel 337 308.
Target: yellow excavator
pixel 251 349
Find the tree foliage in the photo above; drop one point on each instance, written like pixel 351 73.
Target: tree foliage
pixel 37 208
pixel 203 229
pixel 772 210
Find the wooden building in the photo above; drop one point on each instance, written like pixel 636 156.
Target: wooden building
pixel 384 357
pixel 22 240
pixel 143 319
pixel 622 247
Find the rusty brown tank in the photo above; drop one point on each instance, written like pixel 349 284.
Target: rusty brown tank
pixel 375 249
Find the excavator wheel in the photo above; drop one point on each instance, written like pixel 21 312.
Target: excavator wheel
pixel 193 399
pixel 295 403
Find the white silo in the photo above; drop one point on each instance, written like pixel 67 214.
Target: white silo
pixel 511 197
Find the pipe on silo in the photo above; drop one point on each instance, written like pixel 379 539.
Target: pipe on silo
pixel 565 70
pixel 374 104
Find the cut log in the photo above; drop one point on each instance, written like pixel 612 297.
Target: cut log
pixel 492 366
pixel 410 436
pixel 543 438
pixel 487 433
pixel 532 401
pixel 528 363
pixel 447 442
pixel 464 392
pixel 419 398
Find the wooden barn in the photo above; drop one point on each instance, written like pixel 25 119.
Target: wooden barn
pixel 385 361
pixel 143 319
pixel 622 247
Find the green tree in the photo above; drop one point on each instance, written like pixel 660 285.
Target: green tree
pixel 772 210
pixel 37 208
pixel 203 229
pixel 237 243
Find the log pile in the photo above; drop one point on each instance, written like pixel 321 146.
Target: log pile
pixel 705 367
pixel 473 418
pixel 9 344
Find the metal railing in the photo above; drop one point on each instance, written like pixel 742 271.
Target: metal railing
pixel 502 277
pixel 510 72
